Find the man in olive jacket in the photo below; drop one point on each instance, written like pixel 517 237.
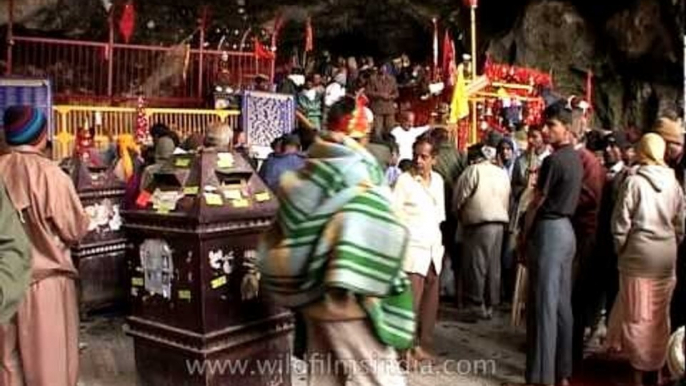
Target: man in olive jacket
pixel 15 260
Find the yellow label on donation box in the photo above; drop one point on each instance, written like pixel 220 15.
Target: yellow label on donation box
pixel 185 295
pixel 242 203
pixel 191 190
pixel 137 281
pixel 213 199
pixel 182 162
pixel 164 208
pixel 262 197
pixel 218 282
pixel 224 160
pixel 232 194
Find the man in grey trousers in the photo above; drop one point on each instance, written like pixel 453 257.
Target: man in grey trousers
pixel 550 244
pixel 481 200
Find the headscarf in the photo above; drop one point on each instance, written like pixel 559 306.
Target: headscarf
pixel 126 144
pixel 651 150
pixel 507 141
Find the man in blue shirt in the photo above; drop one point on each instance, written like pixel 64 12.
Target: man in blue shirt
pixel 278 163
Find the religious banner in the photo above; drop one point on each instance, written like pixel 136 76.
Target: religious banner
pixel 266 116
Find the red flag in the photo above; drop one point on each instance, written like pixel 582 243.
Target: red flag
pixel 448 60
pixel 261 52
pixel 127 22
pixel 309 36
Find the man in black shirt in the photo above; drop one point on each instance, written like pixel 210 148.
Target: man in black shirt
pixel 550 245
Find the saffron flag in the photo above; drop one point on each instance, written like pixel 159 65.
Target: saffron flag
pixel 459 106
pixel 309 36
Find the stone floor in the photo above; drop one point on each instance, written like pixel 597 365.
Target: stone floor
pixel 471 354
pixel 483 354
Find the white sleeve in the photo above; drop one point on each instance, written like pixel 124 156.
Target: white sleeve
pixel 331 94
pixel 440 199
pixel 422 129
pixel 399 197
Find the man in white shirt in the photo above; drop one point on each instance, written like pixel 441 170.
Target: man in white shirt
pixel 335 90
pixel 481 199
pixel 420 203
pixel 406 134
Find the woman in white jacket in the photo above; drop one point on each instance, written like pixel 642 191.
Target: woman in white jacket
pixel 647 227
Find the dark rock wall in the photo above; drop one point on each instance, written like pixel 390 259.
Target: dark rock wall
pixel 635 52
pixel 634 47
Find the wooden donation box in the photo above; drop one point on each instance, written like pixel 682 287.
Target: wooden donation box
pixel 194 235
pixel 100 257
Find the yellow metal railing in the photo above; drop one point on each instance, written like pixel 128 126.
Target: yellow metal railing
pixel 110 122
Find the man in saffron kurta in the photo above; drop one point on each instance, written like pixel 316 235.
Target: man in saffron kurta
pixel 39 347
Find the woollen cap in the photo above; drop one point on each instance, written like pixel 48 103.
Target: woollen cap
pixel 24 125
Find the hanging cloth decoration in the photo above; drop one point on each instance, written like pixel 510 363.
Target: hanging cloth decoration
pixel 141 123
pixel 127 22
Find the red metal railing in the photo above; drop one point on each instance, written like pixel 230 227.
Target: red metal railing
pixel 99 72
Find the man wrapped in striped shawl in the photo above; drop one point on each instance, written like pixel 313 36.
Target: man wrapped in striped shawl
pixel 336 255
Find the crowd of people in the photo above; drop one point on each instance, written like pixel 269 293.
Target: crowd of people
pixel 596 217
pixel 369 212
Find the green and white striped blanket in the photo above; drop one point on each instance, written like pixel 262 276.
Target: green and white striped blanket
pixel 336 230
